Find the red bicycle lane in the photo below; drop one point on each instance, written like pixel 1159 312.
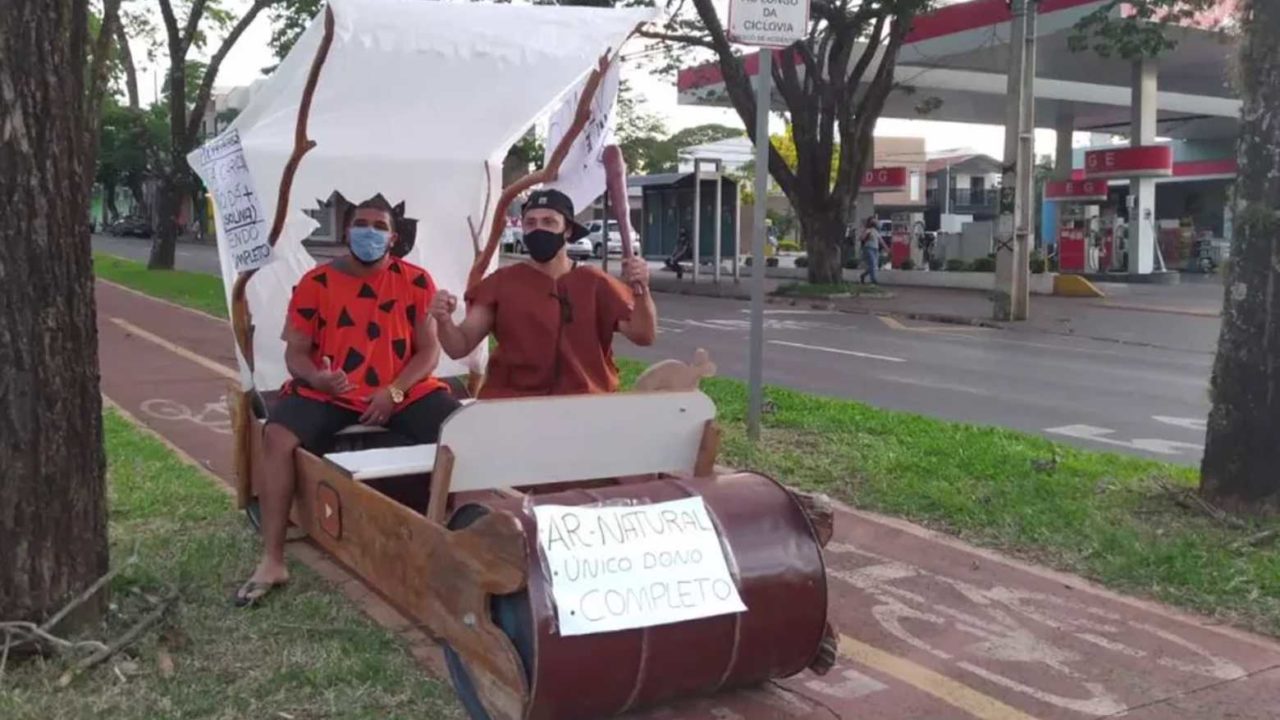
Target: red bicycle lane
pixel 931 628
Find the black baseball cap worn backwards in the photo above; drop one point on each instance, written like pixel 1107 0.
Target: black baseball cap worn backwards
pixel 561 203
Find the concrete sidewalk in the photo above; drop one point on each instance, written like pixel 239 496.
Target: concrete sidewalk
pixel 930 627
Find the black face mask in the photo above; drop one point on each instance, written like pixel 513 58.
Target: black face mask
pixel 543 244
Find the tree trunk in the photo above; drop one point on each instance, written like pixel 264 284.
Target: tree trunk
pixel 139 197
pixel 164 245
pixel 53 523
pixel 109 212
pixel 823 232
pixel 130 71
pixel 1242 455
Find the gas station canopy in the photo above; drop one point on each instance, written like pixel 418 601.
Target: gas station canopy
pixel 952 68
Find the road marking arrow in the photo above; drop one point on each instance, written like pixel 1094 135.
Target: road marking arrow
pixel 1099 434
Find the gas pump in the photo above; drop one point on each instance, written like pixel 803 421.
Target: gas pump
pixel 1107 231
pixel 1074 237
pixel 900 248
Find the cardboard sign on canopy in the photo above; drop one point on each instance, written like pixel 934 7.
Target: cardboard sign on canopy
pixel 418 101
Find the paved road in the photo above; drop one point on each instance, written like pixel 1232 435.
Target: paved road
pixel 929 627
pixel 1093 393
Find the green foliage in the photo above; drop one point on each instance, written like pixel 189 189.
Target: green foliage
pixel 784 224
pixel 666 156
pixel 788 246
pixel 956 265
pixel 126 144
pixel 1038 263
pixel 802 261
pixel 985 264
pixel 907 264
pixel 288 20
pixel 1138 33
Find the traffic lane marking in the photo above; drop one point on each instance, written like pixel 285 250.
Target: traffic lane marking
pixel 838 351
pixel 1195 424
pixel 953 693
pixel 1103 435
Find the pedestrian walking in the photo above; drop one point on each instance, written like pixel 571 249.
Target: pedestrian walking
pixel 872 242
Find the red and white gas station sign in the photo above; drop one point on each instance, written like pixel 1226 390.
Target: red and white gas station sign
pixel 1076 190
pixel 889 179
pixel 1144 161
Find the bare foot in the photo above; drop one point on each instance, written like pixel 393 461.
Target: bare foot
pixel 266 578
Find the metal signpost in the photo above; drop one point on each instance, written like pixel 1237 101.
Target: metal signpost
pixel 767 24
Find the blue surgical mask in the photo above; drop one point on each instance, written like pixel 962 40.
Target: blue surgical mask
pixel 369 245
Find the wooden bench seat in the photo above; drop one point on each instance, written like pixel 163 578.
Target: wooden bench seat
pixel 378 463
pixel 381 463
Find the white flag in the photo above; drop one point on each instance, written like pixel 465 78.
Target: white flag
pixel 582 175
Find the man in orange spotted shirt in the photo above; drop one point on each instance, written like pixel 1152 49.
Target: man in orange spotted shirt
pixel 361 347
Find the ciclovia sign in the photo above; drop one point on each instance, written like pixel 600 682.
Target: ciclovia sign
pixel 768 23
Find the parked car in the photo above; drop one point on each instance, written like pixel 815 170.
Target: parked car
pixel 581 249
pixel 615 239
pixel 132 226
pixel 513 240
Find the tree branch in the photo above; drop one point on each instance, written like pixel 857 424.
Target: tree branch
pixel 170 22
pixel 211 72
pixel 738 86
pixel 193 22
pixel 683 39
pixel 858 137
pixel 130 70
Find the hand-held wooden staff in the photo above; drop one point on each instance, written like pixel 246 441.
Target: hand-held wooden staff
pixel 615 173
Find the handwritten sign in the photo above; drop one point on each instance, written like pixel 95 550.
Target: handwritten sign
pixel 618 568
pixel 223 168
pixel 582 175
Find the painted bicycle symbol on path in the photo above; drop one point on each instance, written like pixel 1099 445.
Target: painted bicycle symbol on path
pixel 1047 642
pixel 214 416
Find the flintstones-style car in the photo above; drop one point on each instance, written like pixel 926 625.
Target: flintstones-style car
pixel 450 533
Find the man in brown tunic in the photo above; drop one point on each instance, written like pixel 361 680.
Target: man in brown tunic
pixel 554 320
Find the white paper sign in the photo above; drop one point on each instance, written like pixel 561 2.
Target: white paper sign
pixel 240 218
pixel 770 23
pixel 618 568
pixel 582 175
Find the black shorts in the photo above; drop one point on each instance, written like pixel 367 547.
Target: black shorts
pixel 315 422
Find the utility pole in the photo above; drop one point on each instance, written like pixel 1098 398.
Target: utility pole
pixel 1013 229
pixel 764 97
pixel 1026 199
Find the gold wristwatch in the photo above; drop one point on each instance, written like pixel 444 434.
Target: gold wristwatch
pixel 397 395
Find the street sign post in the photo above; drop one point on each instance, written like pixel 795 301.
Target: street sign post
pixel 767 24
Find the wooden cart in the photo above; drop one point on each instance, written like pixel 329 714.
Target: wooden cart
pixel 446 534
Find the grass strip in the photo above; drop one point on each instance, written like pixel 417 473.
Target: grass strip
pixel 307 652
pixel 194 290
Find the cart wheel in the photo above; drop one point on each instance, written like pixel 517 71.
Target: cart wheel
pixel 511 615
pixel 254 512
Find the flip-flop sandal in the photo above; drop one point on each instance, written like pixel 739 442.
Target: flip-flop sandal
pixel 252 591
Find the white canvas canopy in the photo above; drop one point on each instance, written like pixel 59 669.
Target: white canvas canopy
pixel 413 99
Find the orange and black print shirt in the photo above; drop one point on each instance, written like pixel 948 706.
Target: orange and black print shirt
pixel 364 326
